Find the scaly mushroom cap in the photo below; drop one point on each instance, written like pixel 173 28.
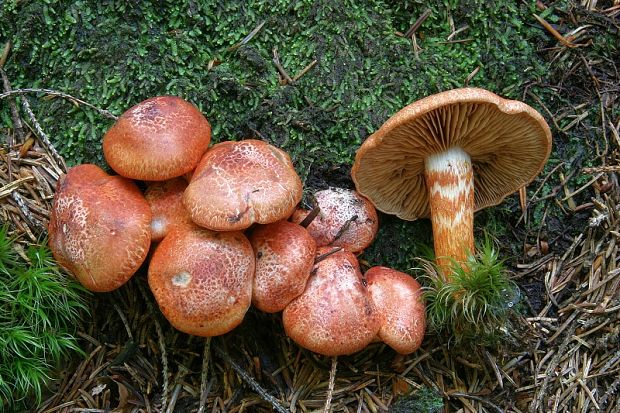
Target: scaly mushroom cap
pixel 160 138
pixel 334 315
pixel 166 201
pixel 399 301
pixel 284 258
pixel 507 140
pixel 202 280
pixel 346 219
pixel 99 227
pixel 237 184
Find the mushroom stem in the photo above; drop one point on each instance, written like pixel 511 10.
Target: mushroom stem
pixel 450 180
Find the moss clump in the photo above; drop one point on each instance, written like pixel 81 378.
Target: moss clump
pixel 39 309
pixel 474 303
pixel 424 400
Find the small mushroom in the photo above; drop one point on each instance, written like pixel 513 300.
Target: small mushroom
pixel 237 184
pixel 346 219
pixel 448 155
pixel 202 280
pixel 284 258
pixel 99 227
pixel 158 139
pixel 399 302
pixel 166 201
pixel 335 314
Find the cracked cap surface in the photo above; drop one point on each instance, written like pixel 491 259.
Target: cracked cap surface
pixel 237 184
pixel 160 138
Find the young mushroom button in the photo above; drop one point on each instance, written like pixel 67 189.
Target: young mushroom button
pixel 99 227
pixel 160 138
pixel 448 155
pixel 166 201
pixel 237 184
pixel 346 219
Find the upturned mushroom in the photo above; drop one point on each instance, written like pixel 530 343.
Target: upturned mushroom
pixel 166 201
pixel 284 258
pixel 202 280
pixel 448 155
pixel 99 227
pixel 237 184
pixel 335 314
pixel 345 219
pixel 399 302
pixel 158 139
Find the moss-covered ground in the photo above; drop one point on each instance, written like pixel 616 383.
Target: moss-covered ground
pixel 351 67
pixel 115 54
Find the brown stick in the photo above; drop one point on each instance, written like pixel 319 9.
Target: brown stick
pixel 310 217
pixel 554 32
pixel 415 26
pixel 330 388
pixel 327 254
pixel 283 72
pixel 304 70
pixel 63 95
pixel 275 403
pixel 204 387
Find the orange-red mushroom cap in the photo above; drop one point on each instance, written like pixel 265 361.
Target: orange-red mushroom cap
pixel 202 280
pixel 334 315
pixel 237 184
pixel 160 138
pixel 166 201
pixel 99 227
pixel 284 258
pixel 346 219
pixel 399 302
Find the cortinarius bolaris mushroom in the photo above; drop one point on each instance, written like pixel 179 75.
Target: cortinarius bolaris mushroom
pixel 284 258
pixel 346 219
pixel 237 184
pixel 99 227
pixel 448 155
pixel 202 280
pixel 160 138
pixel 335 314
pixel 166 201
pixel 399 302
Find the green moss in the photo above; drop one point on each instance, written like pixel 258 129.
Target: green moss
pixel 424 400
pixel 473 305
pixel 116 53
pixel 39 309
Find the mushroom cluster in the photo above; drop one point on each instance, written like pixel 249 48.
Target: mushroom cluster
pixel 224 230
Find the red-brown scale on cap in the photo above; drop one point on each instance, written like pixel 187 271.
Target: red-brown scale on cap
pixel 166 201
pixel 202 280
pixel 399 301
pixel 346 219
pixel 284 258
pixel 335 315
pixel 160 138
pixel 237 184
pixel 99 227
